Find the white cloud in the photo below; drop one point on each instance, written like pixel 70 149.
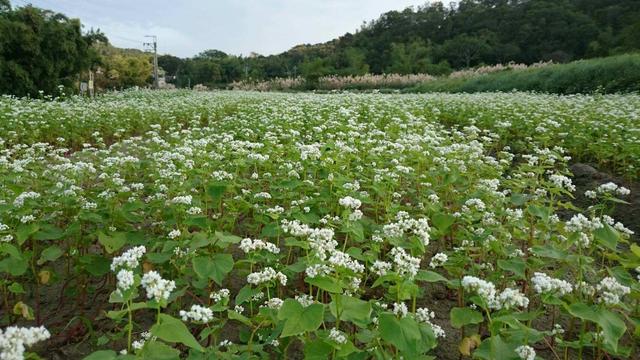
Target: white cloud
pixel 186 27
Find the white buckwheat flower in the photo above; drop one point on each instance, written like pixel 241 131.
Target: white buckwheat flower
pixel 337 336
pixel 157 288
pixel 526 352
pixel 438 260
pixel 543 283
pixel 611 290
pixel 197 313
pixel 129 259
pixel 14 340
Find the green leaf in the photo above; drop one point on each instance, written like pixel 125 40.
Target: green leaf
pixel 351 309
pixel 24 231
pixel 430 276
pixel 549 252
pixel 173 330
pixel 51 253
pixel 612 326
pixel 635 249
pixel 102 355
pixel 95 265
pixel 216 191
pixel 245 294
pixel 465 316
pixel 516 266
pixel 215 268
pixel 299 319
pixel 317 350
pixel 16 288
pixel 539 211
pixel 155 350
pixel 607 236
pixel 495 348
pixel 405 334
pixel 112 243
pixel 49 232
pixel 443 221
pixel 234 315
pixel 325 283
pixel 14 266
pixel 518 199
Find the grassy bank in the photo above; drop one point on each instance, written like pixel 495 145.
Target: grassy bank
pixel 614 74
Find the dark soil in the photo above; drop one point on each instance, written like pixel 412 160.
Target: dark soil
pixel 587 177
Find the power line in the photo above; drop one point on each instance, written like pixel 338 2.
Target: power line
pixel 126 39
pixel 154 47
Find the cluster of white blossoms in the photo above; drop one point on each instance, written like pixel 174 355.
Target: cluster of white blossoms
pixel 220 295
pixel 274 303
pixel 405 224
pixel 438 259
pixel 19 200
pixel 339 258
pixel 337 336
pixel 425 316
pixel 266 275
pixel 27 219
pixel 248 245
pixel 508 298
pixel 611 291
pixel 563 182
pixel 183 200
pixel 197 313
pixel 526 352
pixel 405 264
pixel 350 202
pixel 400 309
pixel 311 151
pixel 14 340
pixel 473 203
pixel 613 188
pixel 321 240
pixel 125 280
pixel 305 299
pixel 353 204
pixel 156 287
pixel 543 283
pixel 580 222
pixel 174 234
pixel 262 195
pixel 144 337
pixel 380 268
pixel 194 210
pixel 129 259
pixel 316 270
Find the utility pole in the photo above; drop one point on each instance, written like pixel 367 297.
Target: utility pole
pixel 154 46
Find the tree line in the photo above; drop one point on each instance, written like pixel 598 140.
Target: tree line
pixel 437 39
pixel 40 49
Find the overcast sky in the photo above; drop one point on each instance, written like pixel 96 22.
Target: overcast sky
pixel 186 27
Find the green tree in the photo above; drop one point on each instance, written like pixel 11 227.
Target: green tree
pixel 464 50
pixel 40 50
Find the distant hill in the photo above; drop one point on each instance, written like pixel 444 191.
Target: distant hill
pixel 437 38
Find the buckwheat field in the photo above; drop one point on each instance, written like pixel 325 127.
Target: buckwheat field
pixel 240 225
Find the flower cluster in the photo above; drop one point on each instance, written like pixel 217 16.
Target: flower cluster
pixel 266 275
pixel 14 340
pixel 611 291
pixel 197 313
pixel 543 283
pixel 129 259
pixel 247 245
pixel 156 287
